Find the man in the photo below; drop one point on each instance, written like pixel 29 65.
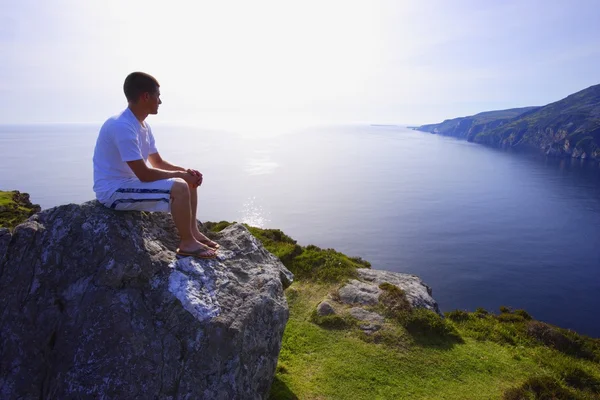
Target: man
pixel 124 181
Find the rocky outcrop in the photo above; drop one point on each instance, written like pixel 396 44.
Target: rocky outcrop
pixel 15 207
pixel 366 291
pixel 95 305
pixel 361 298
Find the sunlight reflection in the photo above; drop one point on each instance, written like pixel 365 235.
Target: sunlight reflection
pixel 253 214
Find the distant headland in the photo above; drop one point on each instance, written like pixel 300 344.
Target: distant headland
pixel 567 128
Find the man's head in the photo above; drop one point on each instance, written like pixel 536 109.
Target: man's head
pixel 143 91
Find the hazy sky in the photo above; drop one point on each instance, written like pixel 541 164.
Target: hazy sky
pixel 370 61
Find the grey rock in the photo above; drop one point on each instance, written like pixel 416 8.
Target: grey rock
pixel 324 308
pixel 5 237
pixel 417 292
pixel 357 292
pixel 363 315
pixel 95 305
pixel 365 290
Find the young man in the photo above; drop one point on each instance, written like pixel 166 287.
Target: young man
pixel 124 181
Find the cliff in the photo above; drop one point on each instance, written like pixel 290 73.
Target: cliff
pixel 469 127
pixel 569 127
pixel 95 305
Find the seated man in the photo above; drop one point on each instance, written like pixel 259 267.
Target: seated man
pixel 123 180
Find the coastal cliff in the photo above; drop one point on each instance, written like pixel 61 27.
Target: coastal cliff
pixel 94 305
pixel 567 128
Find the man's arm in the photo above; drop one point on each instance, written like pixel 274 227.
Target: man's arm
pixel 157 162
pixel 147 174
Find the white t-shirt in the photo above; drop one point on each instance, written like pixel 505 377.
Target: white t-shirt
pixel 122 138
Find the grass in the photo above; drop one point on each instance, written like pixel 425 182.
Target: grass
pixel 320 362
pixel 416 354
pixel 6 198
pixel 12 212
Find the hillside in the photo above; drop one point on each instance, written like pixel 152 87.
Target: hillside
pixel 396 347
pixel 569 127
pixel 414 353
pixel 469 127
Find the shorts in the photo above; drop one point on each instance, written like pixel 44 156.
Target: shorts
pixel 142 196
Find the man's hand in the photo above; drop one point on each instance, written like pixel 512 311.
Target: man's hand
pixel 197 175
pixel 192 180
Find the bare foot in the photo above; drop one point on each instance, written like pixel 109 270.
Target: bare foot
pixel 196 249
pixel 206 241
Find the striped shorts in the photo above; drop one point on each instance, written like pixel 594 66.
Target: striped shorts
pixel 142 196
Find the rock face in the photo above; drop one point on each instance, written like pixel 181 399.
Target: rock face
pixel 95 305
pixel 566 128
pixel 366 291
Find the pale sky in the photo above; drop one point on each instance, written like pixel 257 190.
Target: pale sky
pixel 399 62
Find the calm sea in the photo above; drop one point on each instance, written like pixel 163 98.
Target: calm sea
pixel 482 227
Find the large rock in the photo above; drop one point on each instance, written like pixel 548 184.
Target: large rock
pixel 365 291
pixel 95 305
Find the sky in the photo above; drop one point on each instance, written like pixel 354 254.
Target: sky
pixel 371 61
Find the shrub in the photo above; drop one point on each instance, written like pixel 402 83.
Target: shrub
pixel 458 315
pixel 565 341
pixel 504 309
pixel 216 226
pixel 333 321
pixel 278 243
pixel 580 379
pixel 421 321
pixel 360 261
pixel 322 265
pixel 481 311
pixel 523 314
pixel 506 317
pixel 393 299
pixel 544 387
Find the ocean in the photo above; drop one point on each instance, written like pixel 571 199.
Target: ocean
pixel 482 227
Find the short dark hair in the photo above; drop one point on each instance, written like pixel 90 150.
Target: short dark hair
pixel 138 83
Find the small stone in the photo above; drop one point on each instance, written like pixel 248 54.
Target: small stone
pixel 324 308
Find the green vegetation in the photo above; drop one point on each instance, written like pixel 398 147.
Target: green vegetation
pixel 416 354
pixel 15 208
pixel 307 263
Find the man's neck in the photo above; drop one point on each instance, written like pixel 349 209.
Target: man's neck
pixel 139 114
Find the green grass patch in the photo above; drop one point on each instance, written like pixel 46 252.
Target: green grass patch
pixel 319 362
pixel 14 209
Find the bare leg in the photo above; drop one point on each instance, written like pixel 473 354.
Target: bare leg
pixel 195 231
pixel 181 211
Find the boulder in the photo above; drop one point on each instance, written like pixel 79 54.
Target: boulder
pixel 365 290
pixel 94 304
pixel 324 308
